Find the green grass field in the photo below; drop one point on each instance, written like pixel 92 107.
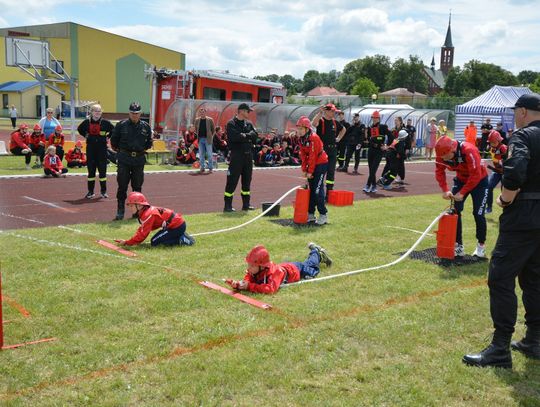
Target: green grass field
pixel 145 333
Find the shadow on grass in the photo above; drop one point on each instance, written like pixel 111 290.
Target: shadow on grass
pixel 525 384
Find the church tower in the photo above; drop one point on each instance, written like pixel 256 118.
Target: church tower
pixel 447 50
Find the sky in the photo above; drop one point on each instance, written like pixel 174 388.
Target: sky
pixel 287 37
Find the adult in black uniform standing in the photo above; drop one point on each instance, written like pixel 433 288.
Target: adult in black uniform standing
pixel 341 145
pixel 518 244
pixel 96 130
pixel 379 136
pixel 354 139
pixel 131 138
pixel 241 136
pixel 330 132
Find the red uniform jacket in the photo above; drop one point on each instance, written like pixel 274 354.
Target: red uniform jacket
pixel 152 218
pixel 467 165
pixel 56 139
pixel 312 153
pixel 53 163
pixel 35 139
pixel 18 140
pixel 268 280
pixel 498 154
pixel 75 154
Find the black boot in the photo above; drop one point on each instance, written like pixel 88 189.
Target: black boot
pixel 497 354
pixel 228 204
pixel 103 187
pixel 245 203
pixel 90 193
pixel 121 210
pixel 530 344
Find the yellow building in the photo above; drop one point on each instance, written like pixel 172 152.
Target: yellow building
pixel 25 96
pixel 109 68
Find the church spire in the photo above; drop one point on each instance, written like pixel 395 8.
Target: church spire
pixel 448 40
pixel 433 62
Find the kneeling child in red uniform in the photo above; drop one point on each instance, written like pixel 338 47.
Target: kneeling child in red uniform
pixel 173 226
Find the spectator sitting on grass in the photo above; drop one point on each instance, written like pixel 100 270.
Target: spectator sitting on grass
pixel 276 153
pixel 75 157
pixel 52 167
pixel 36 142
pixel 264 157
pixel 190 136
pixel 57 140
pixel 185 155
pixel 287 155
pixel 264 276
pixel 18 144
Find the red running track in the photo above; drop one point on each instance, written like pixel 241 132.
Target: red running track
pixel 35 202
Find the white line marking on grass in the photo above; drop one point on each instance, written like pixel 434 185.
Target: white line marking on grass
pixel 175 272
pixel 19 217
pixel 410 230
pixel 52 205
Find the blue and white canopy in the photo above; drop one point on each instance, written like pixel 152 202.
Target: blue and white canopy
pixel 495 100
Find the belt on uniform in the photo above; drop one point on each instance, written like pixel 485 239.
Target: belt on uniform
pixel 133 153
pixel 528 196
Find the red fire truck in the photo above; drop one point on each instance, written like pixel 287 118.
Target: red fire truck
pixel 170 85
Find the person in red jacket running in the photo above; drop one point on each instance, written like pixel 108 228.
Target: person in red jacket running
pixel 471 178
pixel 172 224
pixel 53 164
pixel 75 157
pixel 264 276
pixel 314 165
pixel 18 144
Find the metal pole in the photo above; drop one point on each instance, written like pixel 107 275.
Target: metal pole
pixel 42 90
pixel 72 108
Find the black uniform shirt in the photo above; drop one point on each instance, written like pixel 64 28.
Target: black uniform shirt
pixel 522 170
pixel 130 136
pixel 241 135
pixel 355 134
pixel 328 130
pixel 95 131
pixel 379 134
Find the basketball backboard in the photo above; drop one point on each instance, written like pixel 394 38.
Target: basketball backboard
pixel 27 52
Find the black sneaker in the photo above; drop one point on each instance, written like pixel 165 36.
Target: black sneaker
pixel 228 210
pixel 322 253
pixel 104 194
pixel 248 208
pixel 119 216
pixel 90 195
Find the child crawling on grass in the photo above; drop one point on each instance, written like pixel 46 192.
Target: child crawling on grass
pixel 172 225
pixel 264 276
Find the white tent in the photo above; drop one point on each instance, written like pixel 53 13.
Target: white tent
pixel 495 104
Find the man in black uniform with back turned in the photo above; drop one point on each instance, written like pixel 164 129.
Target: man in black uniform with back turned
pixel 354 139
pixel 518 244
pixel 241 136
pixel 331 132
pixel 130 138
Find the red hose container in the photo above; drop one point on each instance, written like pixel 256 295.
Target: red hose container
pixel 446 236
pixel 301 206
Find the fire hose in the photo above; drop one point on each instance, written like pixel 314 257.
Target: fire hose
pixel 251 220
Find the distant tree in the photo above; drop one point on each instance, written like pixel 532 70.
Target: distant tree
pixel 527 77
pixel 407 74
pixel 312 79
pixel 535 86
pixel 375 67
pixel 364 87
pixel 271 78
pixel 477 77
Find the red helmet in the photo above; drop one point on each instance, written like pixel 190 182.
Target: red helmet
pixel 136 198
pixel 330 106
pixel 445 145
pixel 58 128
pixel 23 126
pixel 258 256
pixel 494 137
pixel 37 127
pixel 303 121
pixel 376 114
pixel 78 144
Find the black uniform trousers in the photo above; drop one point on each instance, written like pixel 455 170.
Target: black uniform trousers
pixel 401 167
pixel 241 164
pixel 331 151
pixel 515 255
pixel 96 157
pixel 38 150
pixel 127 173
pixel 351 149
pixel 341 153
pixel 18 151
pixel 374 156
pixel 391 169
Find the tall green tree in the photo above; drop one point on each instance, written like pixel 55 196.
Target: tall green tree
pixel 407 74
pixel 527 77
pixel 476 77
pixel 364 87
pixel 312 79
pixel 375 67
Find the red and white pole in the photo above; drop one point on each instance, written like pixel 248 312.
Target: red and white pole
pixel 1 317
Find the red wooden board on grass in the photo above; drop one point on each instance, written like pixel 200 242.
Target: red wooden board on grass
pixel 114 247
pixel 238 296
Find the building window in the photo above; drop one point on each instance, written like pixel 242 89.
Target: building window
pixel 242 96
pixel 214 94
pixel 5 101
pixel 264 95
pixel 57 66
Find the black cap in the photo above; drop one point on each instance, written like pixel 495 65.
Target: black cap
pixel 530 101
pixel 245 106
pixel 135 107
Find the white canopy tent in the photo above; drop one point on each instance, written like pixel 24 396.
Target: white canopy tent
pixel 496 104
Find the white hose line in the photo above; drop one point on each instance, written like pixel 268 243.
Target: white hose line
pixel 251 220
pixel 349 273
